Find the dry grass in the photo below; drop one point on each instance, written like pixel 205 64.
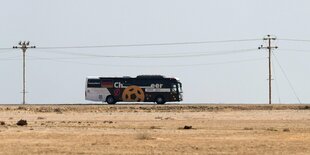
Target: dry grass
pixel 144 136
pixel 155 127
pixel 41 117
pixel 247 128
pixel 271 129
pixel 152 129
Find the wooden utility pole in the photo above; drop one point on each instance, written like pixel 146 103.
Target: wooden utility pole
pixel 269 38
pixel 24 46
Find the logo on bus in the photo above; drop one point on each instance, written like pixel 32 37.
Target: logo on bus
pixel 118 85
pixel 157 85
pixel 154 85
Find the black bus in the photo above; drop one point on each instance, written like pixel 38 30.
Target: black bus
pixel 143 88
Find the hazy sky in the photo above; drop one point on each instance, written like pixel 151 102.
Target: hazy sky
pixel 58 76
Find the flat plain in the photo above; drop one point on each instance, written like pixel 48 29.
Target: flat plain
pixel 155 129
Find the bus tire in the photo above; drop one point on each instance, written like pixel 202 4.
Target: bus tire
pixel 160 100
pixel 110 100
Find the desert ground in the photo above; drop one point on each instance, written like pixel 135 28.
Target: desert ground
pixel 155 129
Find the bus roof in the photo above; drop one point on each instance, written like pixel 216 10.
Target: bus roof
pixel 138 77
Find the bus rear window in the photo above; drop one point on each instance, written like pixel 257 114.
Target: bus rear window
pixel 93 83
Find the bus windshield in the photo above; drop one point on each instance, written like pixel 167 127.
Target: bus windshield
pixel 180 87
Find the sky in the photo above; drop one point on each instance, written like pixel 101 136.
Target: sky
pixel 215 73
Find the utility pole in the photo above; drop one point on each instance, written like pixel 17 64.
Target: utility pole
pixel 24 46
pixel 269 38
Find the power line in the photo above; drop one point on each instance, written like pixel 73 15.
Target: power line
pixel 285 75
pixel 217 63
pixel 276 81
pixel 147 66
pixel 89 56
pixel 9 58
pixel 151 44
pixel 5 48
pixel 161 44
pixel 155 56
pixel 157 53
pixel 295 40
pixel 92 56
pixel 1 52
pixel 295 50
pixel 4 51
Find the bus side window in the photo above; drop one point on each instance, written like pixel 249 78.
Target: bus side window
pixel 174 88
pixel 107 84
pixel 93 83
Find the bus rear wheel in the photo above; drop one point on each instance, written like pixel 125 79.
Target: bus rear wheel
pixel 160 100
pixel 110 100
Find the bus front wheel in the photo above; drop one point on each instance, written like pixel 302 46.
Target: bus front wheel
pixel 160 100
pixel 110 100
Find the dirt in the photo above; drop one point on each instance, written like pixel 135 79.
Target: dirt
pixel 153 129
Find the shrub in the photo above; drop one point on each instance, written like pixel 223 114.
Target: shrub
pixel 144 136
pixel 154 127
pixel 271 129
pixel 58 110
pixel 2 123
pixel 41 117
pixel 22 122
pixel 247 128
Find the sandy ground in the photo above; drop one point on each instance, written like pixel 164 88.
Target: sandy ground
pixel 153 129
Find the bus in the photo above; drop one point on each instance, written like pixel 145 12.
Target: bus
pixel 143 88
